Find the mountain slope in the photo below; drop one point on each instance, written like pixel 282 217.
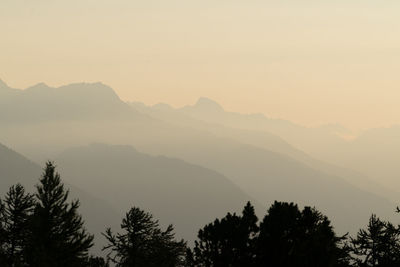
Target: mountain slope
pixel 98 214
pixel 265 174
pixel 14 168
pixel 269 176
pixel 268 168
pixel 376 152
pixel 80 101
pixel 268 141
pixel 312 140
pixel 176 192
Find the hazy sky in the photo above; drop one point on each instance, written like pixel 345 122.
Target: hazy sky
pixel 308 61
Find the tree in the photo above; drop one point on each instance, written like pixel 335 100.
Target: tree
pixel 94 261
pixel 378 245
pixel 143 243
pixel 58 237
pixel 277 235
pixel 290 237
pixel 3 234
pixel 15 214
pixel 228 242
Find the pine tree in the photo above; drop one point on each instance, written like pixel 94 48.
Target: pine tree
pixel 15 214
pixel 227 242
pixel 58 236
pixel 3 234
pixel 378 245
pixel 143 243
pixel 290 237
pixel 94 261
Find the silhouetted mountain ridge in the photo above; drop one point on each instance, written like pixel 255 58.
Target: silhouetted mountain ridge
pixel 175 191
pixel 15 168
pixel 375 152
pixel 3 85
pixel 263 173
pixel 77 101
pixel 312 140
pixel 208 104
pixel 6 91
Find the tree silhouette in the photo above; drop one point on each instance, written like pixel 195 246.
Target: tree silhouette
pixel 290 237
pixel 143 243
pixel 378 245
pixel 14 216
pixel 277 235
pixel 46 230
pixel 3 234
pixel 228 242
pixel 58 237
pixel 93 261
pixel 285 237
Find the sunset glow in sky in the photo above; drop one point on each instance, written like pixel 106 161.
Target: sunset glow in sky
pixel 311 62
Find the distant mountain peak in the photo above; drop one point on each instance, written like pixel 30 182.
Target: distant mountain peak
pixel 108 147
pixel 80 90
pixel 3 84
pixel 38 86
pixel 162 106
pixel 5 89
pixel 208 104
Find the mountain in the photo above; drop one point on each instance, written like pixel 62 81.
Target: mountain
pixel 6 91
pixel 80 101
pixel 3 84
pixel 271 142
pixel 376 152
pixel 264 166
pixel 204 106
pixel 269 168
pixel 269 176
pixel 368 161
pixel 312 140
pixel 15 168
pixel 174 191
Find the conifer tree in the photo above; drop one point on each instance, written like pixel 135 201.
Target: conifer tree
pixel 378 245
pixel 143 243
pixel 94 261
pixel 58 236
pixel 15 214
pixel 290 237
pixel 285 237
pixel 3 235
pixel 228 242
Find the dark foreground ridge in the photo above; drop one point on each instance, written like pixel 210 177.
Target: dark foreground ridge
pixel 46 229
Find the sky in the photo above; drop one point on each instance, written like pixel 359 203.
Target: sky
pixel 311 62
